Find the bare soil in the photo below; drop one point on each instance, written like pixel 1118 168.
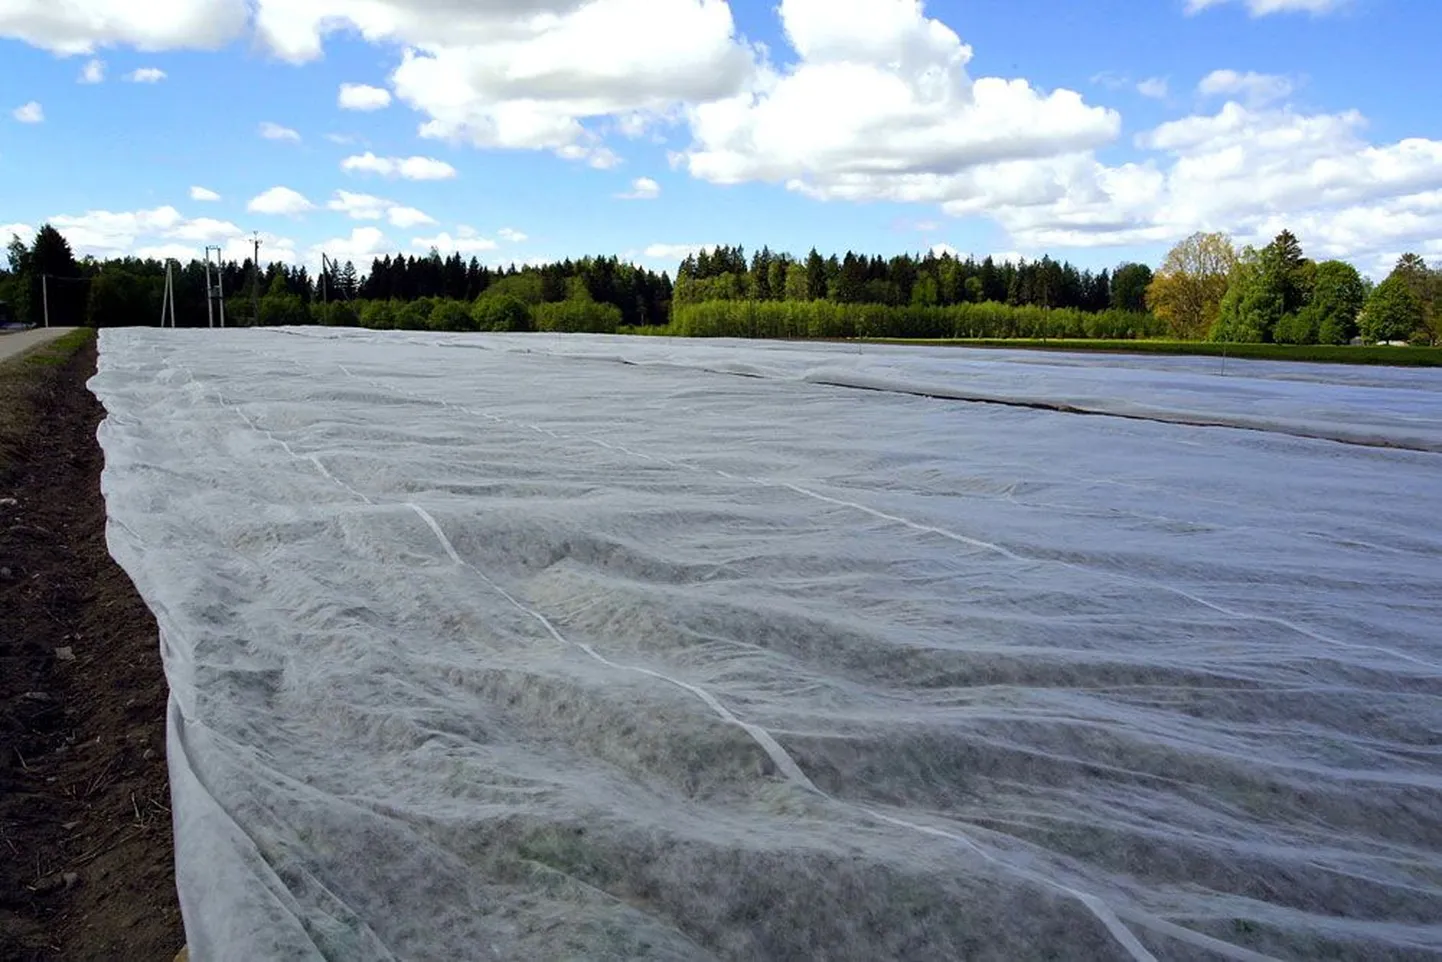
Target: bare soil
pixel 86 852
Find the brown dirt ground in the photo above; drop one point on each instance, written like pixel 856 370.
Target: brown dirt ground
pixel 86 854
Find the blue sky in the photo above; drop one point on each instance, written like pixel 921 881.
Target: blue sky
pixel 541 129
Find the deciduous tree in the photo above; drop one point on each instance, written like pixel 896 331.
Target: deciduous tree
pixel 1338 294
pixel 1252 306
pixel 1187 291
pixel 1392 313
pixel 1426 286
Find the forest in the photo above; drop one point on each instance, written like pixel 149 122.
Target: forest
pixel 1206 289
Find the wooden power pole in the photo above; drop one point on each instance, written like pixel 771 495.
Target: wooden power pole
pixel 255 287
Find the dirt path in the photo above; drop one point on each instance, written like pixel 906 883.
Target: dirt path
pixel 18 342
pixel 86 858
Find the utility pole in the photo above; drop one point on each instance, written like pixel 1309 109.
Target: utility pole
pixel 255 288
pixel 167 302
pixel 215 285
pixel 45 296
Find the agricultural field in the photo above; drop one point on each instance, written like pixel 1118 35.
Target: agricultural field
pixel 622 648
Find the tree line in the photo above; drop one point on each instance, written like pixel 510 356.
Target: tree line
pixel 401 291
pixel 932 280
pixel 1208 290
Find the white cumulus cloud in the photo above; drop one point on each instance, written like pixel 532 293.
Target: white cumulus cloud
pixel 675 252
pixel 407 168
pixel 106 232
pixel 511 235
pixel 70 27
pixel 205 230
pixel 146 75
pixel 159 231
pixel 359 206
pixel 280 201
pixel 273 131
pixel 363 97
pixel 642 188
pixel 93 72
pixel 1245 170
pixel 880 107
pixel 529 76
pixel 363 244
pixel 1262 8
pixel 203 194
pixel 370 207
pixel 31 113
pixel 465 241
pixel 408 217
pixel 593 153
pixel 25 232
pixel 1255 88
pixel 1154 87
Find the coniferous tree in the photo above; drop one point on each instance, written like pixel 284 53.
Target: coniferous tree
pixel 816 276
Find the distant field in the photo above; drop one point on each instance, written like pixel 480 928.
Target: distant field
pixel 1317 354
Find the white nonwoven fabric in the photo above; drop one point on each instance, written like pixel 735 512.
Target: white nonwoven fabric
pixel 530 647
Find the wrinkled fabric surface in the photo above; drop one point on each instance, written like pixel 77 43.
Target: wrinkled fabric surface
pixel 531 647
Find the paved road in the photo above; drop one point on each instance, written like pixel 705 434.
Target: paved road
pixel 18 342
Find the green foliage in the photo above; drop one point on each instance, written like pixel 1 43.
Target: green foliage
pixel 413 315
pixel 1188 289
pixel 1129 287
pixel 17 254
pixel 1252 306
pixel 280 308
pixel 524 287
pixel 336 314
pixel 51 254
pixel 1426 286
pixel 377 315
pixel 448 315
pixel 578 315
pixel 1286 273
pixel 57 352
pixel 1298 328
pixel 798 287
pixel 502 313
pixel 926 292
pixel 118 298
pixel 1338 293
pixel 1393 312
pixel 1274 294
pixel 826 319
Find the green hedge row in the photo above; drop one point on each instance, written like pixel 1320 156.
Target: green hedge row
pixel 826 319
pixel 578 317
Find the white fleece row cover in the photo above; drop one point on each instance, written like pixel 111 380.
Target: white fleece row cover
pixel 540 648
